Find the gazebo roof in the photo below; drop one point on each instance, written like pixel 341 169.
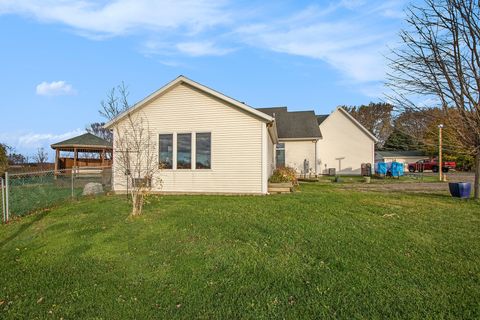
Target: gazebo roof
pixel 84 141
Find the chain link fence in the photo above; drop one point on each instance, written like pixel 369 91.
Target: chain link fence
pixel 23 193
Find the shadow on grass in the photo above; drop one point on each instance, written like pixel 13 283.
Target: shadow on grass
pixel 35 218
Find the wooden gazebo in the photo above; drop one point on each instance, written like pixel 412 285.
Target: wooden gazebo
pixel 86 150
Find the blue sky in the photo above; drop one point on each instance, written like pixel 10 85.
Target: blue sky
pixel 59 58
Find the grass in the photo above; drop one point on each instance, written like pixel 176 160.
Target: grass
pixel 407 178
pixel 320 253
pixel 31 193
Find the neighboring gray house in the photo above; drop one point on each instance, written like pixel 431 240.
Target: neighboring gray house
pixel 401 156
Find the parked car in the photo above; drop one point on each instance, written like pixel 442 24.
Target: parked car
pixel 432 164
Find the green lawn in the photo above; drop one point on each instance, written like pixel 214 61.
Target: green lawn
pixel 320 253
pixel 30 193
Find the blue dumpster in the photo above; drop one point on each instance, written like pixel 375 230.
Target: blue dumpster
pixel 460 189
pixel 381 168
pixel 396 169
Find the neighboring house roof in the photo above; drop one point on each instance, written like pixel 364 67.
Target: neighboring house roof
pixel 273 111
pixel 198 86
pixel 86 140
pixel 296 125
pixel 400 153
pixel 321 118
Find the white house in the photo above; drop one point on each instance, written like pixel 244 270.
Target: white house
pixel 237 141
pixel 345 144
pixel 313 144
pixel 210 143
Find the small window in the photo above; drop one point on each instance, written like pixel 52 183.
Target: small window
pixel 184 151
pixel 280 155
pixel 166 151
pixel 203 150
pixel 142 182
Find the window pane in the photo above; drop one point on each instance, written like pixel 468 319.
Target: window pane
pixel 203 151
pixel 280 155
pixel 165 151
pixel 184 151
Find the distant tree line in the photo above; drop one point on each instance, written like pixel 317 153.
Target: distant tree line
pixel 10 157
pixel 412 129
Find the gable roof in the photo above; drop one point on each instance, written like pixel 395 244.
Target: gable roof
pixel 84 140
pixel 355 122
pixel 294 125
pixel 182 79
pixel 401 153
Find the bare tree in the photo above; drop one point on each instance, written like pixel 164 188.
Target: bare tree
pixel 438 65
pixel 41 157
pixel 134 145
pixel 116 103
pixel 97 129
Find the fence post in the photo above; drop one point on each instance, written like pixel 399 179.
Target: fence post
pixel 4 216
pixel 7 209
pixel 73 182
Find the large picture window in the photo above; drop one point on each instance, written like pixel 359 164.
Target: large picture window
pixel 184 151
pixel 166 151
pixel 203 148
pixel 280 155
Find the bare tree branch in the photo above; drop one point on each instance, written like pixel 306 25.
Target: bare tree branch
pixel 439 60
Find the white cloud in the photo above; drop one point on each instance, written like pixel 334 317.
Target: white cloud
pixel 29 142
pixel 353 45
pixel 54 88
pixel 39 139
pixel 349 35
pixel 122 16
pixel 196 49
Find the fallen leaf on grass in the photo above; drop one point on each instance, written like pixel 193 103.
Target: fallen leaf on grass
pixel 389 215
pixel 40 300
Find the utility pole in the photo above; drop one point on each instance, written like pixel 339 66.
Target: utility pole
pixel 440 161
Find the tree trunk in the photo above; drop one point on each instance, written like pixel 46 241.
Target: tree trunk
pixel 137 199
pixel 476 184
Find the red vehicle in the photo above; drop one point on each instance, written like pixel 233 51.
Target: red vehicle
pixel 433 165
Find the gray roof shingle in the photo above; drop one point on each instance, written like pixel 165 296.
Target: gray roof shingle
pixel 401 153
pixel 84 140
pixel 294 125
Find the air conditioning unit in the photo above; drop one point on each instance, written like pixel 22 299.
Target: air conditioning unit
pixel 331 171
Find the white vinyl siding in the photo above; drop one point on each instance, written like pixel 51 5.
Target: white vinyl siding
pixel 343 139
pixel 236 143
pixel 296 152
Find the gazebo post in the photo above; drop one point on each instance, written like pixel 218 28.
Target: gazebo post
pixel 75 155
pixel 102 157
pixel 57 156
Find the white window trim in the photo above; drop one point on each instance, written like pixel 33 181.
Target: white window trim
pixel 211 153
pixel 173 149
pixel 193 150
